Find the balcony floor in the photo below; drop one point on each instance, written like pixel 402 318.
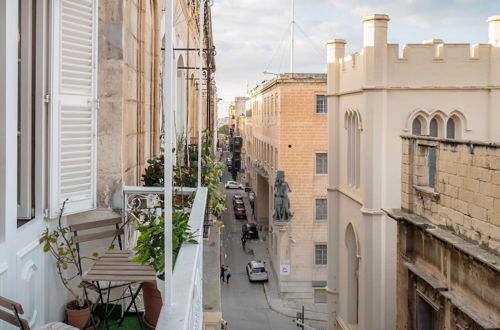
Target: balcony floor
pixel 130 323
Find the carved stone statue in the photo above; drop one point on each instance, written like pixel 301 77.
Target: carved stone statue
pixel 281 202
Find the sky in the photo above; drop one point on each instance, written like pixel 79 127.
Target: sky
pixel 253 36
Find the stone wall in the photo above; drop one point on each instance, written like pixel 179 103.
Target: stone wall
pixel 466 197
pixel 286 133
pixel 128 118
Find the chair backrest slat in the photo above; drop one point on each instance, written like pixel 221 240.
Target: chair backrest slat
pixel 10 316
pixel 95 224
pixel 7 303
pixel 94 236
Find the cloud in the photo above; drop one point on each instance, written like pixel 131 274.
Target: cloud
pixel 253 35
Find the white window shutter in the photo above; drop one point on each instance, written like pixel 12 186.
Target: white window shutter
pixel 73 116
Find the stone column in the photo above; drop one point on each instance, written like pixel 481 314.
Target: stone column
pixel 336 51
pixel 378 252
pixel 375 48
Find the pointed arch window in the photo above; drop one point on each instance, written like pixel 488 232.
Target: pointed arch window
pixel 433 128
pixel 416 128
pixel 450 129
pixel 352 275
pixel 352 122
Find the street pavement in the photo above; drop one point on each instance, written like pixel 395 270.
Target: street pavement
pixel 244 304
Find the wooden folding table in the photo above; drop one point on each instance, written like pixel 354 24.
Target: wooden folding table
pixel 116 266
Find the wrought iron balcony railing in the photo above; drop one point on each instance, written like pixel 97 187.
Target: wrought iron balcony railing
pixel 186 312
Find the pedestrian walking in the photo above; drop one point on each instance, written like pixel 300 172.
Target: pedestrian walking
pixel 244 240
pixel 228 274
pixel 223 324
pixel 222 271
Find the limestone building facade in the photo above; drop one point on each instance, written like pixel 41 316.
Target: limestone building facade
pixel 374 96
pixel 448 235
pixel 286 130
pixel 79 116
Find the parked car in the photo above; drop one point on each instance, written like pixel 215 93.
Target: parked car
pixel 256 271
pixel 240 212
pixel 238 203
pixel 233 185
pixel 250 229
pixel 237 199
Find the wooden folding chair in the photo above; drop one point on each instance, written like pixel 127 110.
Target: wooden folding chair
pixel 12 315
pixel 15 309
pixel 103 287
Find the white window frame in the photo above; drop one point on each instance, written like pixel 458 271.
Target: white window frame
pixel 325 253
pixel 316 213
pixel 26 111
pixel 322 108
pixel 325 172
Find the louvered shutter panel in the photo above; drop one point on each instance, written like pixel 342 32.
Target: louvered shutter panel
pixel 75 105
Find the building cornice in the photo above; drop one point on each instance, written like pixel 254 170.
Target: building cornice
pixel 345 193
pixel 423 88
pixel 290 78
pixel 446 236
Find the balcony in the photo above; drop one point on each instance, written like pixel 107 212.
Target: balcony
pixel 186 288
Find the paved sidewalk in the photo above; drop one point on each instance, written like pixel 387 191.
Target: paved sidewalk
pixel 315 312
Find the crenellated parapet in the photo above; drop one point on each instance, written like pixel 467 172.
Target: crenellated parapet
pixel 430 64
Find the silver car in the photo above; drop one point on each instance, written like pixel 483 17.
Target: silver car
pixel 233 185
pixel 256 271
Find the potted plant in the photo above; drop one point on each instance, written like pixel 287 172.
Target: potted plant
pixel 60 244
pixel 150 249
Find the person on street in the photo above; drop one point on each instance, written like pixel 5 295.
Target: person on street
pixel 222 271
pixel 228 274
pixel 244 240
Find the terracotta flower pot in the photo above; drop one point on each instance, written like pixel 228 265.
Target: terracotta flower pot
pixel 152 303
pixel 77 317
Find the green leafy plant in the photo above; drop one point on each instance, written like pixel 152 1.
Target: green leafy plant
pixel 187 175
pixel 154 172
pixel 150 245
pixel 59 243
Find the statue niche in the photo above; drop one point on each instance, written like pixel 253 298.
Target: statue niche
pixel 281 201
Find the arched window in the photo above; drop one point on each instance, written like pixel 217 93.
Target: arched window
pixel 416 128
pixel 450 129
pixel 352 275
pixel 352 122
pixel 433 128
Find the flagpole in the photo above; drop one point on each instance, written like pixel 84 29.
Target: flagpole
pixel 292 34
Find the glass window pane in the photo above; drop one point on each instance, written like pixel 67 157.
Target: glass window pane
pixel 321 104
pixel 321 163
pixel 417 127
pixel 450 129
pixel 432 166
pixel 320 254
pixel 321 209
pixel 433 129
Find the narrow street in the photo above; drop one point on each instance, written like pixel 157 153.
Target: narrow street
pixel 244 304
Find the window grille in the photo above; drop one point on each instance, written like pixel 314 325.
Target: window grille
pixel 321 209
pixel 321 104
pixel 321 163
pixel 320 254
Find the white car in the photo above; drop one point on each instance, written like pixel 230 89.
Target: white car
pixel 233 185
pixel 256 271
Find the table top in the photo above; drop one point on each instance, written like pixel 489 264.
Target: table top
pixel 116 266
